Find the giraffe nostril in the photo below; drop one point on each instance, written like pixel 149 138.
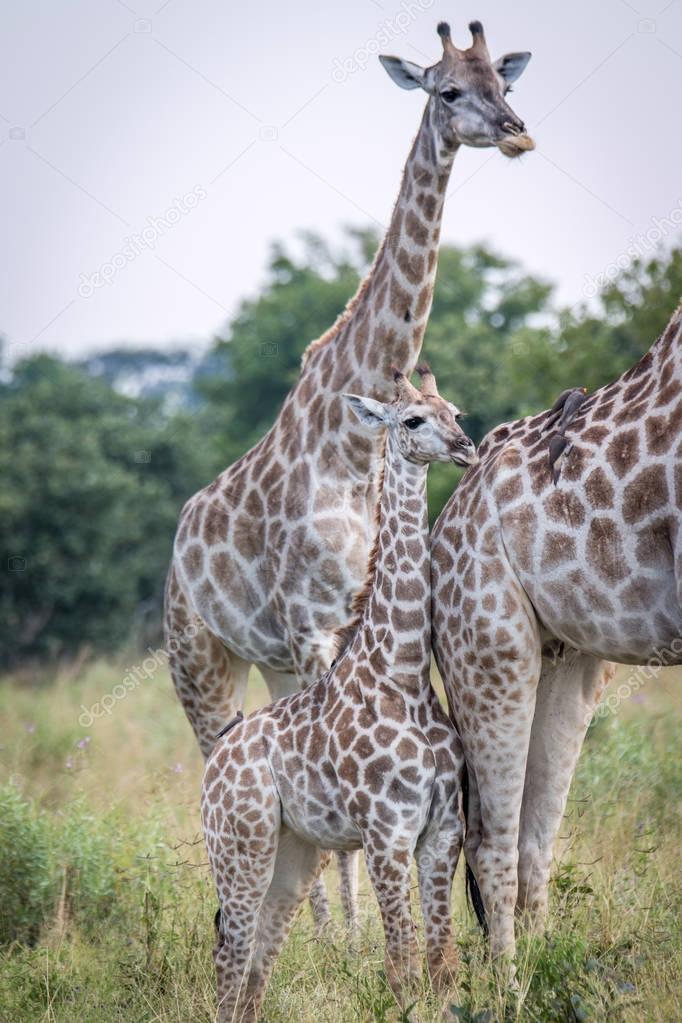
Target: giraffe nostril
pixel 514 127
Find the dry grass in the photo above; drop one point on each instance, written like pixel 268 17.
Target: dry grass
pixel 100 862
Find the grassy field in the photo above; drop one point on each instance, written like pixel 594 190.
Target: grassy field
pixel 106 904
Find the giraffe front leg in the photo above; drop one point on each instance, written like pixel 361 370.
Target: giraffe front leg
pixel 568 693
pixel 493 699
pixel 437 856
pixel 319 903
pixel 389 872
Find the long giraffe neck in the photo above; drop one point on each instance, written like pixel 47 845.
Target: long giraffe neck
pixel 384 323
pixel 395 625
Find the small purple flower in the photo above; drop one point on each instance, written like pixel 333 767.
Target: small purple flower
pixel 69 763
pixel 177 769
pixel 30 728
pixel 83 743
pixel 639 698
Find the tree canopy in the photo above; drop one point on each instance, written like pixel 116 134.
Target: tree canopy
pixel 92 486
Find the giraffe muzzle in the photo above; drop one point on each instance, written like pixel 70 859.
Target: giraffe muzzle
pixel 464 453
pixel 514 142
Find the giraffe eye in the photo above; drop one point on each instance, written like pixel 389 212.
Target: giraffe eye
pixel 414 422
pixel 450 95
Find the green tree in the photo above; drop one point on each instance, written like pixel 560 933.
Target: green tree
pixel 590 346
pixel 92 486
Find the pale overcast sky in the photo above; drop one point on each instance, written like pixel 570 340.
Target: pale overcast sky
pixel 112 111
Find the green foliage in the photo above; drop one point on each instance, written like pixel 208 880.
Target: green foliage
pixel 124 928
pixel 589 348
pixel 55 866
pixel 92 486
pixel 26 875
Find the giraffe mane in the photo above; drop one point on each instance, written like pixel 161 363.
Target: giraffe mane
pixel 344 317
pixel 346 633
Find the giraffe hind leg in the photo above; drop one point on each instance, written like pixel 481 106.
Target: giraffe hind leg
pixel 209 679
pixel 241 819
pixel 283 684
pixel 296 868
pixel 567 695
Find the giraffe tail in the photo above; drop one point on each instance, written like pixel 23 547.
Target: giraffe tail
pixel 473 892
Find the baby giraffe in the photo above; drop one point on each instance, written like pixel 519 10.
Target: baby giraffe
pixel 363 758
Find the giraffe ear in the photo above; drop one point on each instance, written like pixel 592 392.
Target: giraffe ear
pixel 371 413
pixel 511 66
pixel 404 73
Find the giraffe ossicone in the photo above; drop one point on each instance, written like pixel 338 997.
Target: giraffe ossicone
pixel 364 758
pixel 271 553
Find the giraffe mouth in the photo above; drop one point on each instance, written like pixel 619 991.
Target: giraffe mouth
pixel 465 457
pixel 513 144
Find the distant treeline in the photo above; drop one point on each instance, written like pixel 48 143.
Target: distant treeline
pixel 98 457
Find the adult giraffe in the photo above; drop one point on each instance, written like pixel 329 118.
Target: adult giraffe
pixel 541 572
pixel 270 555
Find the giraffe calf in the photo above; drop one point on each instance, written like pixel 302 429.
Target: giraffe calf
pixel 363 758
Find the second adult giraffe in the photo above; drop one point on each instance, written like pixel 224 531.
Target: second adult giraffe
pixel 561 550
pixel 269 556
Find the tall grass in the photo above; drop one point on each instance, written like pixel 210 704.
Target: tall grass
pixel 106 906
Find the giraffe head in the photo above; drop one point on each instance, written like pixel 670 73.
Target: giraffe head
pixel 467 93
pixel 423 425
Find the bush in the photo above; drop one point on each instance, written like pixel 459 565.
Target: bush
pixel 69 868
pixel 27 883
